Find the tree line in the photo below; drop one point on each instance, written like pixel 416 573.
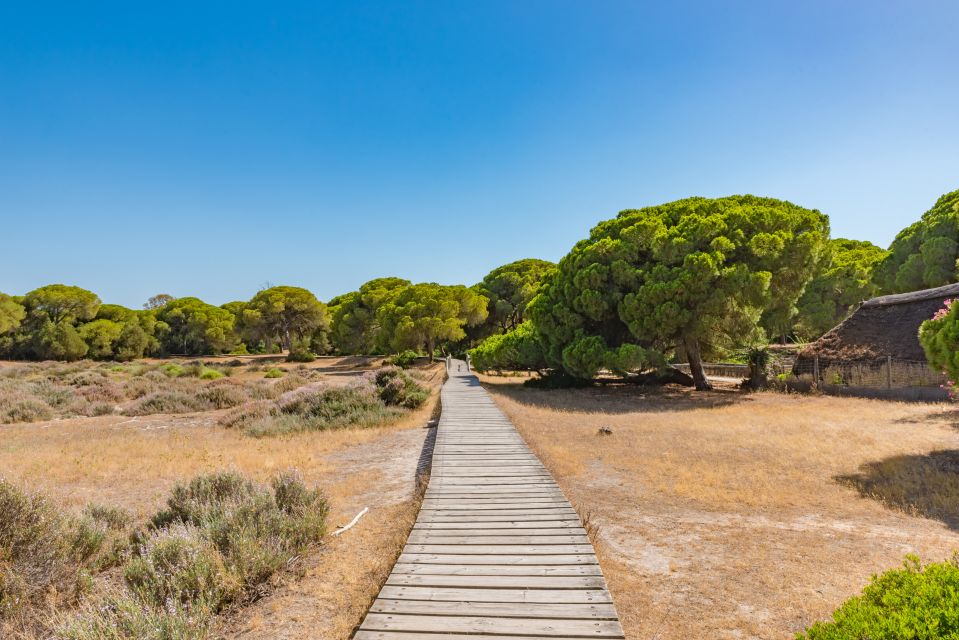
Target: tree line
pixel 691 279
pixel 700 278
pixel 388 315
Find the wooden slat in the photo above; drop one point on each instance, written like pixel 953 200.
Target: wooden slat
pixel 494 536
pixel 487 624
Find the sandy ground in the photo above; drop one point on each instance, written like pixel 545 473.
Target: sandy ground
pixel 722 515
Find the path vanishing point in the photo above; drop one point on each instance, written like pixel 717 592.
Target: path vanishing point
pixel 497 552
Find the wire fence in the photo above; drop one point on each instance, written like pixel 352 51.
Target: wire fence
pixel 877 377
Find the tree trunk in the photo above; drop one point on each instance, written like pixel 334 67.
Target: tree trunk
pixel 429 348
pixel 696 364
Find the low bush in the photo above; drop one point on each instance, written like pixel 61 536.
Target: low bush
pixel 122 616
pixel 221 396
pixel 164 402
pixel 300 354
pixel 397 388
pixel 45 554
pixel 23 409
pixel 254 529
pixel 273 373
pixel 210 374
pixel 34 551
pixel 913 602
pixel 171 370
pixel 404 359
pixel 377 399
pixel 220 537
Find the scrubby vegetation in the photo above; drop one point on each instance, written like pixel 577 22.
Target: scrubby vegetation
pixel 46 557
pixel 377 399
pixel 34 392
pixel 920 602
pixel 217 543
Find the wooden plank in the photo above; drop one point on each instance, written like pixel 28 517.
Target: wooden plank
pixel 453 558
pixel 427 538
pixel 527 596
pixel 569 523
pixel 496 570
pixel 476 624
pixel 597 611
pixel 498 581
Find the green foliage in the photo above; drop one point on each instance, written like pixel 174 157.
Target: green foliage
pixel 924 254
pixel 696 274
pixel 58 341
pixel 300 352
pixel 135 341
pixel 519 349
pixel 274 373
pixel 939 337
pixel 286 314
pixel 843 281
pixel 60 302
pixel 424 315
pixel 509 289
pixel 356 329
pixel 172 370
pixel 916 602
pixel 100 336
pixel 191 326
pixel 12 314
pixel 404 359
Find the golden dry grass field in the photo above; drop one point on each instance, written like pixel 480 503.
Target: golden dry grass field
pixel 133 462
pixel 727 515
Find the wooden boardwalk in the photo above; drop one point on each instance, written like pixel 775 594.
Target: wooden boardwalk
pixel 497 552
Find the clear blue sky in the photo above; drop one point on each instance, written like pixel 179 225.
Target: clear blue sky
pixel 208 148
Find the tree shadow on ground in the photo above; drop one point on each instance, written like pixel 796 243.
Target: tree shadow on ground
pixel 923 485
pixel 618 398
pixel 949 416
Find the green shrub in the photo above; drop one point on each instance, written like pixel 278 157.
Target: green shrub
pixel 172 370
pixel 210 374
pixel 180 564
pixel 915 602
pixel 219 538
pixel 255 529
pixel 397 388
pixel 122 616
pixel 404 359
pixel 336 407
pixel 520 349
pixel 300 353
pixel 274 373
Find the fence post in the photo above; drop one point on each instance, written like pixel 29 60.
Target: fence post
pixel 889 372
pixel 815 370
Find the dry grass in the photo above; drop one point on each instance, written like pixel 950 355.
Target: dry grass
pixel 133 462
pixel 724 515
